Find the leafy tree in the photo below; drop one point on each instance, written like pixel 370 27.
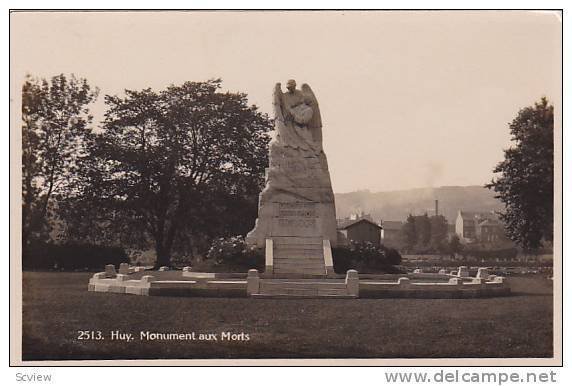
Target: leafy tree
pixel 439 230
pixel 423 234
pixel 455 245
pixel 423 228
pixel 409 232
pixel 526 181
pixel 174 164
pixel 55 130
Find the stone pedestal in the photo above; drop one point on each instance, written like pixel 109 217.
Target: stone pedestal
pixel 297 200
pixel 294 219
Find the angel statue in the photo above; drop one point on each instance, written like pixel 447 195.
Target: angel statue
pixel 298 123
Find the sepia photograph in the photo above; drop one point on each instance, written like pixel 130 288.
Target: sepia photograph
pixel 289 185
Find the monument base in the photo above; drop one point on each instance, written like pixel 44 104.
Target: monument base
pixel 289 257
pixel 293 219
pixel 297 237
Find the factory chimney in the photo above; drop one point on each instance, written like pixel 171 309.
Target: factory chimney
pixel 436 207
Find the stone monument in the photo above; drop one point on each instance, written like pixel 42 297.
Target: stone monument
pixel 296 212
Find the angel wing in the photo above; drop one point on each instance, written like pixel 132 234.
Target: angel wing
pixel 277 102
pixel 315 124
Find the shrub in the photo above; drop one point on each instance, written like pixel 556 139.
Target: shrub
pixel 365 257
pixel 235 253
pixel 393 256
pixel 72 256
pixel 480 252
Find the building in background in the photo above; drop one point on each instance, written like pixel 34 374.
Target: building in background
pixel 479 227
pixel 359 228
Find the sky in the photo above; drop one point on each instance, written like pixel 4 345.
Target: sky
pixel 408 98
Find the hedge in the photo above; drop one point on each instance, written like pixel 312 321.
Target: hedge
pixel 72 256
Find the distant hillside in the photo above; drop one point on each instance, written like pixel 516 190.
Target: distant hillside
pixel 396 205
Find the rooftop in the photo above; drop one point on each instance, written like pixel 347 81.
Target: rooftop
pixel 347 223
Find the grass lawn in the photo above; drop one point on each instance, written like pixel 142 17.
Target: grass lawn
pixel 57 305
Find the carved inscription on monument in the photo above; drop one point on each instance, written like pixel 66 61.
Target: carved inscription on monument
pixel 297 209
pixel 292 166
pixel 296 223
pixel 297 214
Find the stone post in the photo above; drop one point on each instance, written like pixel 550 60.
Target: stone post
pixel 252 282
pixel 145 284
pixel 483 273
pixel 463 271
pixel 404 282
pixel 110 270
pixel 124 269
pixel 148 279
pixel 352 282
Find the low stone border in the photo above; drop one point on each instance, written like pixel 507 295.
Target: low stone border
pixel 454 288
pixel 149 286
pixel 208 285
pixel 442 276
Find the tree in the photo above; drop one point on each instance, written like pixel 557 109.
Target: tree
pixel 439 230
pixel 423 234
pixel 55 130
pixel 423 228
pixel 174 164
pixel 455 245
pixel 526 181
pixel 409 232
